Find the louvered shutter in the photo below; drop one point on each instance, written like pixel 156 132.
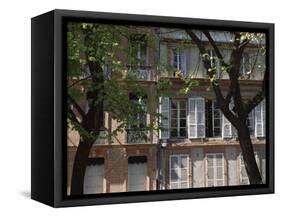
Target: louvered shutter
pixel 226 128
pixel 94 179
pixel 165 119
pixel 137 173
pixel 192 125
pixel 200 117
pixel 260 120
pixel 196 117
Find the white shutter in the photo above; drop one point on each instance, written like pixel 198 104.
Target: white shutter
pixel 94 179
pixel 137 173
pixel 196 117
pixel 165 119
pixel 226 128
pixel 260 119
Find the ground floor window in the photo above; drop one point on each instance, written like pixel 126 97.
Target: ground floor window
pixel 215 169
pixel 244 180
pixel 137 173
pixel 94 176
pixel 179 171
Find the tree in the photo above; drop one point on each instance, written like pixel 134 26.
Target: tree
pixel 237 114
pixel 97 75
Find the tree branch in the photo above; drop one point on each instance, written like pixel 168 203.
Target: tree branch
pixel 216 49
pixel 76 105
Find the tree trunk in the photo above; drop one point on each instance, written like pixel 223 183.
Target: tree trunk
pixel 79 167
pixel 249 156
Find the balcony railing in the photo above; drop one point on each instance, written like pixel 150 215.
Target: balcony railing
pixel 102 137
pixel 140 72
pixel 137 136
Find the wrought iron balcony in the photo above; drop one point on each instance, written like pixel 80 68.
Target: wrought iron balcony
pixel 137 136
pixel 140 72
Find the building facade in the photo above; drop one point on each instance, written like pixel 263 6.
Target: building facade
pixel 197 146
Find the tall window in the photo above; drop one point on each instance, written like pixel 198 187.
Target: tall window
pixel 137 173
pixel 215 63
pixel 138 57
pixel 165 117
pixel 179 171
pixel 250 122
pixel 178 118
pixel 215 169
pixel 179 61
pixel 217 120
pixel 260 120
pixel 138 48
pixel 244 180
pixel 196 117
pixel 136 131
pixel 94 176
pixel 245 65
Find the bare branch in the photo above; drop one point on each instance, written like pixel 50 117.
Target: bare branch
pixel 76 105
pixel 214 45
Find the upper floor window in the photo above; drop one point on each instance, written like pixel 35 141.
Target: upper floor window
pixel 245 64
pixel 199 118
pixel 178 118
pixel 214 61
pixel 138 50
pixel 260 122
pixel 136 131
pixel 179 60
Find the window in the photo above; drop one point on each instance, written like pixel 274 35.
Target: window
pixel 244 180
pixel 136 131
pixel 165 117
pixel 260 120
pixel 250 122
pixel 217 120
pixel 179 171
pixel 137 173
pixel 94 181
pixel 196 117
pixel 138 57
pixel 215 169
pixel 215 63
pixel 178 118
pixel 138 50
pixel 179 60
pixel 245 65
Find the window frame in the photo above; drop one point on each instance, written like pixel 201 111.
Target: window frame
pixel 215 180
pixel 178 118
pixel 179 181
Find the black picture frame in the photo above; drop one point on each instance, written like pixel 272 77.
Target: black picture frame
pixel 48 109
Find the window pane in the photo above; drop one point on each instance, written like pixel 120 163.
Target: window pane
pixel 173 104
pixel 210 160
pixel 182 122
pixel 174 132
pixel 174 123
pixel 182 113
pixel 210 173
pixel 219 172
pixel 174 175
pixel 183 162
pixel 174 162
pixel 182 132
